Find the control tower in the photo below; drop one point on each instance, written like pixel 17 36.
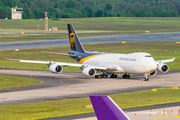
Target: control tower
pixel 17 13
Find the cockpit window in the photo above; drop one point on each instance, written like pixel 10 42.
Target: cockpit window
pixel 148 56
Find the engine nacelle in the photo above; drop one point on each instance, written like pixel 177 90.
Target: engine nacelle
pixel 54 68
pixel 163 68
pixel 90 72
pixel 153 73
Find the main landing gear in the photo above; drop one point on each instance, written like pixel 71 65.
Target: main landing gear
pixel 146 77
pixel 126 76
pixel 113 76
pixel 101 76
pixel 106 76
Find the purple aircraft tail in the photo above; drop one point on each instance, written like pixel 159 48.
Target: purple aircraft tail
pixel 106 109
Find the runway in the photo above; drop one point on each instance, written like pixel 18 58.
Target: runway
pixel 128 38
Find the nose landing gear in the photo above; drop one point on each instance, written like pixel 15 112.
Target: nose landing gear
pixel 146 77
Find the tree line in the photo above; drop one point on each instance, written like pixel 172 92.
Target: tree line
pixel 34 9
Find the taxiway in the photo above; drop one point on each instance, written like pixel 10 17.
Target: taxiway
pixel 158 37
pixel 76 85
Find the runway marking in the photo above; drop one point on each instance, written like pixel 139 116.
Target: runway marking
pixel 152 38
pixel 162 79
pixel 167 116
pixel 115 81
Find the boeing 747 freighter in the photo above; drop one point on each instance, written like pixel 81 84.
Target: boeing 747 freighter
pixel 102 65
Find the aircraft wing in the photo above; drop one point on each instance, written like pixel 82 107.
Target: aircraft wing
pixel 47 62
pixel 99 67
pixel 165 61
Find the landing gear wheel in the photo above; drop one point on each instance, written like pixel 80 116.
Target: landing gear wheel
pixel 146 78
pixel 113 76
pixel 126 76
pixel 98 76
pixel 104 76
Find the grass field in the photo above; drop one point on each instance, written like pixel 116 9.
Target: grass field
pixel 10 29
pixel 157 50
pixel 50 109
pixel 10 82
pixel 111 24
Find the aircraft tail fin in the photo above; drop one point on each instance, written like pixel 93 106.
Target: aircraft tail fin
pixel 106 109
pixel 75 43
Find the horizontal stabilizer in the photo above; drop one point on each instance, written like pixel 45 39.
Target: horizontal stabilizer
pixel 59 53
pixel 106 109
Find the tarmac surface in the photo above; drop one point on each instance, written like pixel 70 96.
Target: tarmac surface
pixel 128 38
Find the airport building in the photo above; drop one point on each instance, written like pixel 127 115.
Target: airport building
pixel 17 13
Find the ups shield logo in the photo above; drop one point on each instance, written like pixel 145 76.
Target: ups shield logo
pixel 72 36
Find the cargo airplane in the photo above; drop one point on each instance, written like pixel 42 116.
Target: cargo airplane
pixel 100 65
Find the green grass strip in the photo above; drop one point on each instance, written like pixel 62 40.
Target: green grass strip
pixel 10 82
pixel 118 24
pixel 67 107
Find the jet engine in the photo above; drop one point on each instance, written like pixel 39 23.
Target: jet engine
pixel 88 71
pixel 163 68
pixel 54 68
pixel 153 73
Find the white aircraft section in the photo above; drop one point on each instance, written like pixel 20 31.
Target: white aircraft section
pixel 135 63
